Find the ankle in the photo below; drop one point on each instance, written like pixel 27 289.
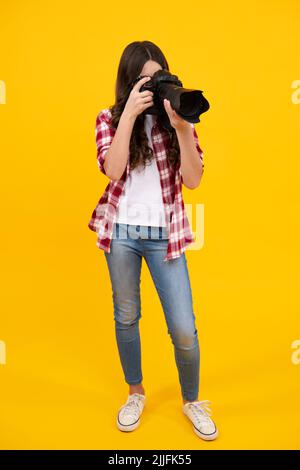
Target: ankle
pixel 189 401
pixel 136 389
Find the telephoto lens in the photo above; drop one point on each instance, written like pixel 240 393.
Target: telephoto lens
pixel 188 103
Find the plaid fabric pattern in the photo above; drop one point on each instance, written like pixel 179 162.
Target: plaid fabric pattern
pixel 104 214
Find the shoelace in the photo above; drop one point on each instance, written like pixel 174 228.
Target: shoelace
pixel 132 406
pixel 201 407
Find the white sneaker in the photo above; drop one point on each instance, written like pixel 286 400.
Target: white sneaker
pixel 198 412
pixel 129 414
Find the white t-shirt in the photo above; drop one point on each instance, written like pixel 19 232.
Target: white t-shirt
pixel 141 201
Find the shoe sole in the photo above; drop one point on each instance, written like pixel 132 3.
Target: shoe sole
pixel 128 427
pixel 206 437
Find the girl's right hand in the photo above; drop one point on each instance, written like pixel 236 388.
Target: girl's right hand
pixel 138 101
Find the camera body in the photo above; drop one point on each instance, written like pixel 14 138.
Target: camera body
pixel 188 103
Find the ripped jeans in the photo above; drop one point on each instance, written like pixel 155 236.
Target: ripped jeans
pixel 129 244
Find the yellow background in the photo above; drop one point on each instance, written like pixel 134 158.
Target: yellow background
pixel 62 383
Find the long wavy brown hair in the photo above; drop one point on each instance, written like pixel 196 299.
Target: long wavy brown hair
pixel 132 61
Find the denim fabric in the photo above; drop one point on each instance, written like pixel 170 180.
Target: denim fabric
pixel 131 243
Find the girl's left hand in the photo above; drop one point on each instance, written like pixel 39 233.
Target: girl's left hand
pixel 176 121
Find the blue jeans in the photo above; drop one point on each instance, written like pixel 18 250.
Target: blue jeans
pixel 130 243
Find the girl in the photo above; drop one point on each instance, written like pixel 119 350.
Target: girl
pixel 141 214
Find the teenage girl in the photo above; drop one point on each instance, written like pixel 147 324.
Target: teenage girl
pixel 137 227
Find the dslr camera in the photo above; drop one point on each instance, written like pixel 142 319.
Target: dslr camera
pixel 188 103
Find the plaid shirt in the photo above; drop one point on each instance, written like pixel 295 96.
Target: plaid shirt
pixel 104 214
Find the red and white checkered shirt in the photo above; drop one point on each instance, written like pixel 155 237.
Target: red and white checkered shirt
pixel 104 214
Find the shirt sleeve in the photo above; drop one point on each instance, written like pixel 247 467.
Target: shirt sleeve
pixel 104 134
